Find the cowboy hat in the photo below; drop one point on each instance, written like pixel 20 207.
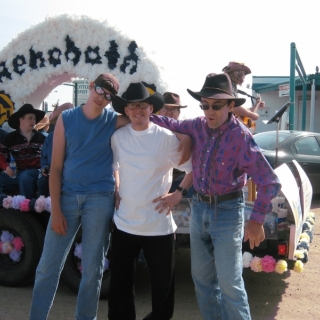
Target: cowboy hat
pixel 236 66
pixel 58 110
pixel 172 99
pixel 27 108
pixel 217 86
pixel 43 123
pixel 137 92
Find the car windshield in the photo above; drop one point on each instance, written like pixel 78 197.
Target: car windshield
pixel 267 140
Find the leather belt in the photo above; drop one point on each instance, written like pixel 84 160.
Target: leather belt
pixel 218 199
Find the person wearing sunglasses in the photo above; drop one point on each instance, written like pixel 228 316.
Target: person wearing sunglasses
pixel 144 155
pixel 224 153
pixel 82 194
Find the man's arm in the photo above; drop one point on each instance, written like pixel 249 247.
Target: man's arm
pixel 121 121
pixel 185 147
pixel 59 223
pixel 170 200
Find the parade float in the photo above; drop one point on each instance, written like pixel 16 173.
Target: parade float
pixel 63 48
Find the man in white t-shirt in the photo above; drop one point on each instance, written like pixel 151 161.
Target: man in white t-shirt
pixel 144 155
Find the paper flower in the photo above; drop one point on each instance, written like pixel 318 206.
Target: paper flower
pixel 299 254
pixel 16 200
pixel 15 255
pixel 40 204
pixel 6 247
pixel 268 263
pixel 255 264
pixel 24 205
pixel 78 250
pixel 11 245
pixel 246 259
pixel 17 243
pixel 298 266
pixel 281 266
pixel 7 202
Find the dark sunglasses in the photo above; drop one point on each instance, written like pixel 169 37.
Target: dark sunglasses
pixel 100 92
pixel 216 107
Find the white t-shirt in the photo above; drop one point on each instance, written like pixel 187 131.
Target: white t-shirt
pixel 145 160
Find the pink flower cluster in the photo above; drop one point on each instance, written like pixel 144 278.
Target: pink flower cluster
pixel 21 203
pixel 11 245
pixel 266 264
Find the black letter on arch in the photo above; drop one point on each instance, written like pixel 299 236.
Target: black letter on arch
pixel 17 62
pixel 52 59
pixel 132 56
pixel 112 55
pixel 71 48
pixel 97 59
pixel 34 58
pixel 4 72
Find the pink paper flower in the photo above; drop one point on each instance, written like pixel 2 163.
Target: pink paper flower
pixel 255 264
pixel 24 205
pixel 40 204
pixel 268 263
pixel 17 243
pixel 7 202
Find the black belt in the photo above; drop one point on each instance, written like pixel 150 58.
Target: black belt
pixel 218 199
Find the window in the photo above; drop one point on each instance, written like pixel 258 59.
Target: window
pixel 308 146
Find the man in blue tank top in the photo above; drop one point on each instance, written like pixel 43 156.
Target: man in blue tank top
pixel 81 188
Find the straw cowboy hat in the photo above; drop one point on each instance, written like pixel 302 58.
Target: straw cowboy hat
pixel 58 110
pixel 137 92
pixel 217 86
pixel 43 123
pixel 172 99
pixel 236 66
pixel 27 108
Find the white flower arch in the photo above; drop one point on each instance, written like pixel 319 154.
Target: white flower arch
pixel 63 47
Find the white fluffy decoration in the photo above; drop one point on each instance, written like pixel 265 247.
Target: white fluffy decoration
pixel 83 31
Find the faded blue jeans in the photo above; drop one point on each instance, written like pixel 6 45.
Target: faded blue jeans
pixel 216 234
pixel 93 212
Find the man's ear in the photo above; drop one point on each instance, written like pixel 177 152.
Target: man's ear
pixel 125 111
pixel 231 105
pixel 91 84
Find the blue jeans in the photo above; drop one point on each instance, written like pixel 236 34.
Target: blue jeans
pixel 26 182
pixel 93 212
pixel 216 234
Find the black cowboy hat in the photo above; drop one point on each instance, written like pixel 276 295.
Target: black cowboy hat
pixel 27 108
pixel 217 86
pixel 172 99
pixel 137 92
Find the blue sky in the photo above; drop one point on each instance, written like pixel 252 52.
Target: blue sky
pixel 191 39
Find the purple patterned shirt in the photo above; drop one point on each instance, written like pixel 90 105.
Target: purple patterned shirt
pixel 222 158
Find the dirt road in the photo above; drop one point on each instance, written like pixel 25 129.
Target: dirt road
pixel 289 296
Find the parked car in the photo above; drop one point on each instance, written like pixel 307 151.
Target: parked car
pixel 302 146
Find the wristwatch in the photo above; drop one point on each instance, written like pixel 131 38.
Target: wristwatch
pixel 183 191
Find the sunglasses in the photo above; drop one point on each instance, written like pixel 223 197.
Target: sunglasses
pixel 172 110
pixel 215 107
pixel 134 106
pixel 100 92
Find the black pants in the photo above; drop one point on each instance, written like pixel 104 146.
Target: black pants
pixel 159 254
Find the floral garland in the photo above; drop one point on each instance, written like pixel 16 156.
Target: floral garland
pixel 21 203
pixel 11 245
pixel 269 264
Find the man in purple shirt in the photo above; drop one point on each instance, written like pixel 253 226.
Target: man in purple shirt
pixel 224 153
